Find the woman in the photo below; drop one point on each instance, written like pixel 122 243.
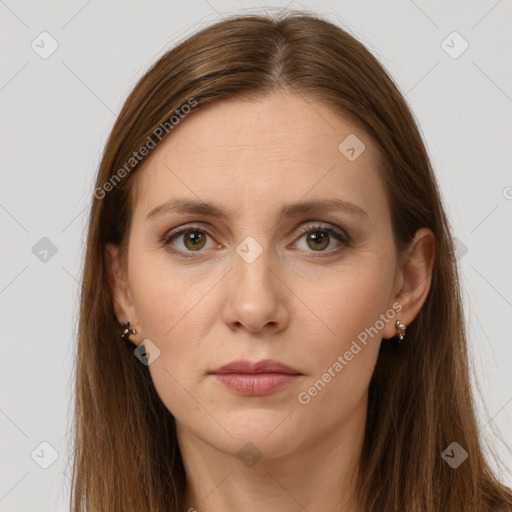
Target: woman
pixel 271 315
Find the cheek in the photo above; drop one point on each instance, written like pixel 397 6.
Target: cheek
pixel 349 310
pixel 166 296
pixel 351 299
pixel 176 311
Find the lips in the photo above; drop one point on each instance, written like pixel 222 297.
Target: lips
pixel 256 379
pixel 248 367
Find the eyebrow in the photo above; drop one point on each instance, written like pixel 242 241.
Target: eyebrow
pixel 288 210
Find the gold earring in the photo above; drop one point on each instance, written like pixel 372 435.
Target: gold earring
pixel 401 330
pixel 125 333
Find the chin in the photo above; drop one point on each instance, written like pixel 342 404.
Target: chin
pixel 267 433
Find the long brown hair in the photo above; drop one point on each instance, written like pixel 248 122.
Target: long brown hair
pixel 126 456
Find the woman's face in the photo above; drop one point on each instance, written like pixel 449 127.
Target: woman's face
pixel 252 284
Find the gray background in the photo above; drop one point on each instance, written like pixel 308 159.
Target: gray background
pixel 56 113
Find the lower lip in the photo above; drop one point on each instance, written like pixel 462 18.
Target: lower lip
pixel 256 384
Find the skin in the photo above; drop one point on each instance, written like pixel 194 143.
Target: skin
pixel 251 157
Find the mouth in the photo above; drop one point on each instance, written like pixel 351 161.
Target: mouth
pixel 256 379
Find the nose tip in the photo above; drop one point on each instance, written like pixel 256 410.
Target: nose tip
pixel 255 297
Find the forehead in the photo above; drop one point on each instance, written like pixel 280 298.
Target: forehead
pixel 260 152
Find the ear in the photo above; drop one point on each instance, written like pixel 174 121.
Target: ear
pixel 413 280
pixel 119 287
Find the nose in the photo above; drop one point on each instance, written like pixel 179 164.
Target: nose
pixel 257 298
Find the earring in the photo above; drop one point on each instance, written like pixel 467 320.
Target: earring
pixel 125 334
pixel 401 330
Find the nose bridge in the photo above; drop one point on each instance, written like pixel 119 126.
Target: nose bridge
pixel 253 262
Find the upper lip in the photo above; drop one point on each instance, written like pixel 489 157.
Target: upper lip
pixel 263 366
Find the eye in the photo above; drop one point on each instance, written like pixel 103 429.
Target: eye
pixel 319 237
pixel 194 238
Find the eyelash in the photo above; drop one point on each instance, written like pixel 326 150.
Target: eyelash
pixel 342 237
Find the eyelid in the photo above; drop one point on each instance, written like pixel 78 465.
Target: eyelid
pixel 330 228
